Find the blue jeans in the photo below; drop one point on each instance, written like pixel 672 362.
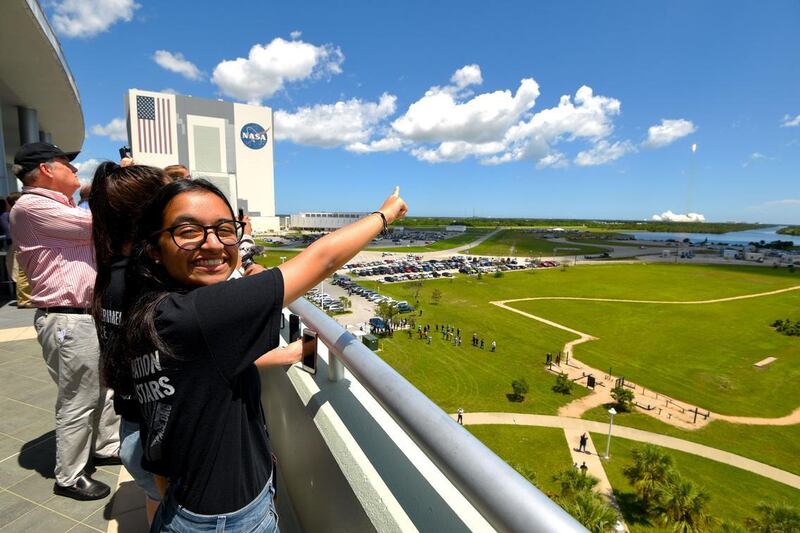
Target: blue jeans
pixel 256 517
pixel 130 453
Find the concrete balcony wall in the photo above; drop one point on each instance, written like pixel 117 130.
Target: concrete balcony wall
pixel 347 466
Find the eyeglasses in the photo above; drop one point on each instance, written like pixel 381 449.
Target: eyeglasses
pixel 188 236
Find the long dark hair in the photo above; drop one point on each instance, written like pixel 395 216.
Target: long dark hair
pixel 147 282
pixel 117 199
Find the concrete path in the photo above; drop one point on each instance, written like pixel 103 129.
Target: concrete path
pixel 578 425
pixel 591 458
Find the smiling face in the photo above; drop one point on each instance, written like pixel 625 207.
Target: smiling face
pixel 212 262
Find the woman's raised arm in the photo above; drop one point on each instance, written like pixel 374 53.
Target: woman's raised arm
pixel 329 253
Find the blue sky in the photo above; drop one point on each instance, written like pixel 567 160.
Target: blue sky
pixel 463 104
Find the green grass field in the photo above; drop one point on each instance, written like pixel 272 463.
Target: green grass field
pixel 734 492
pixel 523 244
pixel 479 380
pixel 702 354
pixel 272 258
pixel 445 244
pixel 778 446
pixel 544 451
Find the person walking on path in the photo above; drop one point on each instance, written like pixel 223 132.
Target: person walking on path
pixel 460 413
pixel 494 346
pixel 583 441
pixel 54 239
pixel 584 468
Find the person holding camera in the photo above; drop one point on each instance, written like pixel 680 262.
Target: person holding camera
pixel 54 242
pixel 193 345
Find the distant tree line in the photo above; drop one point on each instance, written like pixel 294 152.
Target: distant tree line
pixel 774 245
pixel 611 225
pixel 790 230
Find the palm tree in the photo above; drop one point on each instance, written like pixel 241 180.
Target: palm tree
pixel 775 518
pixel 591 510
pixel 345 301
pixel 682 506
pixel 651 468
pixel 572 481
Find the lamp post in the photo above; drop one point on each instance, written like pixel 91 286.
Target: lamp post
pixel 611 412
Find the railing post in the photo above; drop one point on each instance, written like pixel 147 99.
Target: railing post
pixel 335 367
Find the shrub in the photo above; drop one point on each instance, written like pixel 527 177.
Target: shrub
pixel 520 388
pixel 624 398
pixel 563 384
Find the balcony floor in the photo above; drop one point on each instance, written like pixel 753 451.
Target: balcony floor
pixel 27 448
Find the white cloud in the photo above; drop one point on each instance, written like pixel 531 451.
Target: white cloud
pixel 454 151
pixel 116 130
pixel 554 159
pixel 603 152
pixel 296 34
pixel 169 90
pixel 467 75
pixel 668 132
pixel 345 123
pixel 756 156
pixel 86 169
pixel 269 67
pixel 790 122
pixel 590 117
pixel 175 62
pixel 669 216
pixel 440 116
pixel 87 18
pixel 388 144
pixel 784 202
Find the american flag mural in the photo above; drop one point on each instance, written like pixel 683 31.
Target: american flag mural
pixel 154 124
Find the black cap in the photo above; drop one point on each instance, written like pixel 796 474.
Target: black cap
pixel 30 155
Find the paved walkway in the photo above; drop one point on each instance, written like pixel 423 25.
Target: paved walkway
pixel 579 426
pixel 27 448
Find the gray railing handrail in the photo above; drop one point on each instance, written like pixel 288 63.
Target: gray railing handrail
pixel 504 498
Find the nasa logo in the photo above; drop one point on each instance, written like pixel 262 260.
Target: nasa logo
pixel 253 136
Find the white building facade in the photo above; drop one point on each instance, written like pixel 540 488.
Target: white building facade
pixel 322 221
pixel 229 144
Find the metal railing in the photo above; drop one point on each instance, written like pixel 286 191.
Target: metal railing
pixel 505 499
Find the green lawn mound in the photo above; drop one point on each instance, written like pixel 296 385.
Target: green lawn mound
pixel 535 452
pixel 525 243
pixel 272 258
pixel 734 493
pixel 702 354
pixel 478 380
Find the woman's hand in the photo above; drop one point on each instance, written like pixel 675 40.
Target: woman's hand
pixel 394 208
pixel 284 356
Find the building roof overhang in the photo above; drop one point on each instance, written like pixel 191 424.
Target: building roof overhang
pixel 34 73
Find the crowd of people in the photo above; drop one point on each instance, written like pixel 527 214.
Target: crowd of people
pixel 153 332
pixel 449 333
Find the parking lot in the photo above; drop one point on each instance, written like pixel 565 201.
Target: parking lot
pixel 412 267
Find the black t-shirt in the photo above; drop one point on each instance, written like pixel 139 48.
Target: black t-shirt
pixel 111 318
pixel 203 424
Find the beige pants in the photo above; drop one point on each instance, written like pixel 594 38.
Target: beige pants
pixel 85 418
pixel 23 285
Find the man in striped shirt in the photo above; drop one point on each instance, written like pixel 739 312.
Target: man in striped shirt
pixel 55 250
